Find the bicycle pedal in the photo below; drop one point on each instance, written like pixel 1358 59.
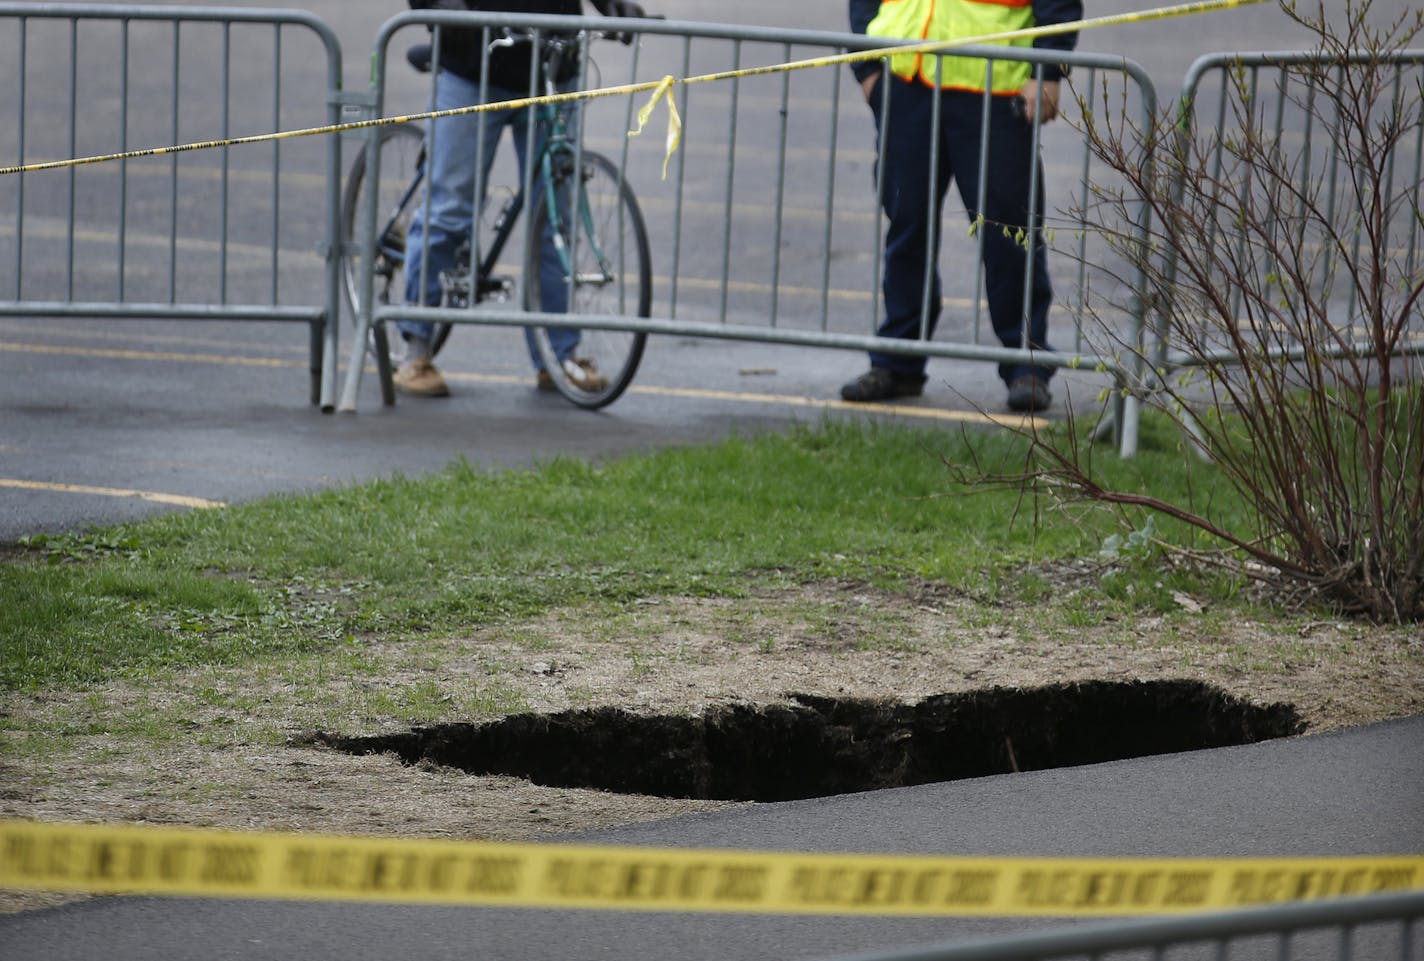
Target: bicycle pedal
pixel 455 288
pixel 498 289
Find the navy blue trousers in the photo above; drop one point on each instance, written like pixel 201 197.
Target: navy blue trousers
pixel 906 186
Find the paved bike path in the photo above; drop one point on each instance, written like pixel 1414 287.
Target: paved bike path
pixel 1349 792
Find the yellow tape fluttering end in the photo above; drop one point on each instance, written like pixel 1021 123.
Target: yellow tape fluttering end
pixel 663 91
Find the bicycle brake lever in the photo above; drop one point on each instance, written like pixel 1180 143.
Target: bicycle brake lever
pixel 507 39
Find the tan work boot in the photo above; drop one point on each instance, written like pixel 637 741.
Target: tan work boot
pixel 420 378
pixel 582 373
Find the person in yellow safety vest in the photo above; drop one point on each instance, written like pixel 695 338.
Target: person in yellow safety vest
pixel 904 92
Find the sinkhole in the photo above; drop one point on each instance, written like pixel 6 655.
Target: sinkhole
pixel 815 746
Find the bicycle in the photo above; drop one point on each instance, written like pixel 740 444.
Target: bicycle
pixel 602 240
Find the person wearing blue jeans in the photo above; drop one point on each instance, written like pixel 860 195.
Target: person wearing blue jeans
pixel 904 122
pixel 455 164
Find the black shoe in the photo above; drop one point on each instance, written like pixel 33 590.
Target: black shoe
pixel 881 383
pixel 1028 393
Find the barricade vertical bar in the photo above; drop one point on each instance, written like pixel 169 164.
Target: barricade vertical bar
pixel 122 254
pixel 480 187
pixel 878 239
pixel 1031 227
pixel 1218 160
pixel 1127 407
pixel 576 112
pixel 527 181
pixel 1080 306
pixel 624 147
pixel 1418 186
pixel 173 167
pixel 224 191
pixel 1237 295
pixel 580 130
pixel 1327 274
pixel 980 200
pixel 1355 256
pixel 432 138
pixel 367 218
pixel 727 209
pixel 1396 113
pixel 1307 158
pixel 23 68
pixel 826 232
pixel 778 209
pixel 331 325
pixel 681 183
pixel 481 134
pixel 929 289
pixel 275 236
pixel 625 144
pixel 1278 133
pixel 73 149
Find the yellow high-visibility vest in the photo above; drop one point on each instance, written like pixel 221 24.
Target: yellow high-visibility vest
pixel 955 20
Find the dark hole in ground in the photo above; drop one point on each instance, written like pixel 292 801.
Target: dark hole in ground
pixel 818 746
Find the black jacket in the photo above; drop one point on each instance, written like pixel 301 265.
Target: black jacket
pixel 462 50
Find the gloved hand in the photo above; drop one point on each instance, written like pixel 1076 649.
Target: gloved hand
pixel 623 8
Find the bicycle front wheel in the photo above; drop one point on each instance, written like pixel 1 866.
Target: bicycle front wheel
pixel 402 148
pixel 601 244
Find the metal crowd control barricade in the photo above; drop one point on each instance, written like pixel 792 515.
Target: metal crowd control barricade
pixel 155 237
pixel 778 238
pixel 1276 93
pixel 1383 927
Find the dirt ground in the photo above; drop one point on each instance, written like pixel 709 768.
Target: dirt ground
pixel 233 748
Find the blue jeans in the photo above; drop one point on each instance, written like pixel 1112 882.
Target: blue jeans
pixel 451 169
pixel 905 194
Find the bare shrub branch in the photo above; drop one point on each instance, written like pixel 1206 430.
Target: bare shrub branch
pixel 1283 272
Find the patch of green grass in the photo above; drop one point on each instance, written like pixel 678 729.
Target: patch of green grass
pixel 404 557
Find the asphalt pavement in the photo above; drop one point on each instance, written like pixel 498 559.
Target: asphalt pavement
pixel 106 423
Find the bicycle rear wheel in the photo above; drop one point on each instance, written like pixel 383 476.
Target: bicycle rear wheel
pixel 402 149
pixel 603 245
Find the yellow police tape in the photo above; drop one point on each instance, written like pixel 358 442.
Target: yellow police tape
pixel 210 863
pixel 661 89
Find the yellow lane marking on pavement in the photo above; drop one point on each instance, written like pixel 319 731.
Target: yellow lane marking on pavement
pixel 793 400
pixel 157 497
pixel 821 403
pixel 685 393
pixel 240 255
pixel 88 335
pixel 113 354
